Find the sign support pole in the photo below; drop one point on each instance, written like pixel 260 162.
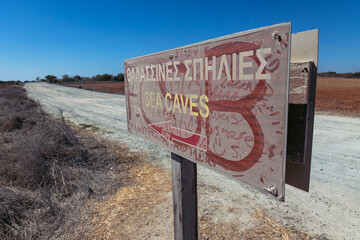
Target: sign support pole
pixel 184 180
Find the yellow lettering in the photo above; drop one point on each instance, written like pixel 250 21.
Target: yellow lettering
pixel 176 103
pixel 192 104
pixel 184 105
pixel 158 101
pixel 168 95
pixel 204 105
pixel 146 95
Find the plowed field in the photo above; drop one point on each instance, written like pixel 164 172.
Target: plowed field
pixel 105 87
pixel 339 96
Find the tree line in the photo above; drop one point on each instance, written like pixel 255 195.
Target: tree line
pixel 341 75
pixel 66 78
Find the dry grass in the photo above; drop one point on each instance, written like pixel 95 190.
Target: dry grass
pixel 142 209
pixel 4 85
pixel 127 213
pixel 10 83
pixel 48 172
pixel 265 228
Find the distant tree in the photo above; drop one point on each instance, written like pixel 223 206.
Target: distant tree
pixel 97 77
pixel 356 75
pixel 107 77
pixel 51 79
pixel 104 77
pixel 348 75
pixel 38 79
pixel 119 77
pixel 77 78
pixel 66 78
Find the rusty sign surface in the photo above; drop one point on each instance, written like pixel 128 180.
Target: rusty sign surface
pixel 221 103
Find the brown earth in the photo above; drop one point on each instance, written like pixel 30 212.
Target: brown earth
pixel 106 87
pixel 339 96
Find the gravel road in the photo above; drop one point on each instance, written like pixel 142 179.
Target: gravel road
pixel 330 209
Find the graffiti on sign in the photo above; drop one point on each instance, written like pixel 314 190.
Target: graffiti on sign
pixel 221 103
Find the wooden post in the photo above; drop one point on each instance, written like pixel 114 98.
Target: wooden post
pixel 300 124
pixel 184 181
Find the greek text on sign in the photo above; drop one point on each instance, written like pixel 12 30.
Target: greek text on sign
pixel 221 103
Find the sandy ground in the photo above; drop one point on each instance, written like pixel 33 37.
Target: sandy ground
pixel 331 208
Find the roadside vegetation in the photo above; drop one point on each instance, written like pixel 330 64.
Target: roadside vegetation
pixel 49 172
pixel 330 74
pixel 9 83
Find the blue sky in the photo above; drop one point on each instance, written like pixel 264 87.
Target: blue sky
pixel 94 37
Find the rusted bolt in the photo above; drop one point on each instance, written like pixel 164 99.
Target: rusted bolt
pixel 272 189
pixel 276 36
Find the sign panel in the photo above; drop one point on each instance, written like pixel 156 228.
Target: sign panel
pixel 221 103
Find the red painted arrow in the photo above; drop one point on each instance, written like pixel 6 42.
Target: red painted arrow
pixel 167 131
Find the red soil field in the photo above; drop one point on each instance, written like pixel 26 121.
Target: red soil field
pixel 340 96
pixel 106 87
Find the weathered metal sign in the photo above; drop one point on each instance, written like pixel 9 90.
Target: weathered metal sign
pixel 221 103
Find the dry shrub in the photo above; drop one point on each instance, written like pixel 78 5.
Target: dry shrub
pixel 32 143
pixel 47 174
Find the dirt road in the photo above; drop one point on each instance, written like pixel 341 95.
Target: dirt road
pixel 330 208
